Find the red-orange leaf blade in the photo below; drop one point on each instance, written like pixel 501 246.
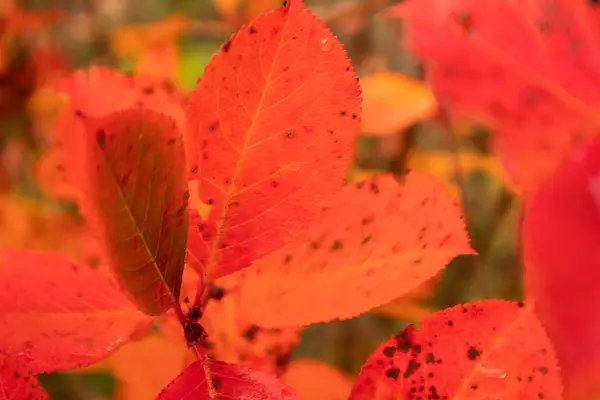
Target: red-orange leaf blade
pixel 271 127
pixel 492 349
pixel 561 233
pixel 58 314
pixel 528 69
pixel 376 242
pixel 138 195
pixel 230 381
pixel 17 382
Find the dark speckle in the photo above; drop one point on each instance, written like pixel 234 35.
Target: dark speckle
pixel 389 351
pixel 392 373
pixel 252 30
pixel 337 245
pixel 450 323
pixel 227 46
pixel 274 184
pixel 101 138
pixel 215 382
pixel 473 353
pixel 171 141
pixel 413 366
pixel 521 304
pixel 288 258
pixel 250 333
pixel 374 188
pixel 290 134
pixel 543 370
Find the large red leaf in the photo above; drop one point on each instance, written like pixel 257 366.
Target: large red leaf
pixel 528 68
pixel 138 196
pixel 228 381
pixel 96 92
pixel 58 314
pixel 271 130
pixel 561 236
pixel 17 382
pixel 378 241
pixel 492 349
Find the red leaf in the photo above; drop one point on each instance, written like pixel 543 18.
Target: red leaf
pixel 139 197
pixel 230 381
pixel 17 382
pixel 94 93
pixel 379 241
pixel 271 128
pixel 492 349
pixel 529 70
pixel 60 315
pixel 561 232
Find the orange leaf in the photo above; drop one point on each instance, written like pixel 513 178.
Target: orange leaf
pixel 528 71
pixel 227 381
pixel 316 380
pixel 94 93
pixel 58 314
pixel 234 339
pixel 135 39
pixel 392 102
pixel 17 382
pixel 138 199
pixel 143 368
pixel 561 232
pixel 379 241
pixel 271 130
pixel 484 350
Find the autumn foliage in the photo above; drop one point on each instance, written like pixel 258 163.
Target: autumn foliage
pixel 218 225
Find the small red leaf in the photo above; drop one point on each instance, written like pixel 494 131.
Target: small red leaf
pixel 17 382
pixel 376 242
pixel 271 130
pixel 60 315
pixel 228 381
pixel 529 70
pixel 561 237
pixel 491 349
pixel 138 193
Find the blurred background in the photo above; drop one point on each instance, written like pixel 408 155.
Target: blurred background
pixel 403 128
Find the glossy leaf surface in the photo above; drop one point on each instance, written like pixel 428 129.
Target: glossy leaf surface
pixel 59 314
pixel 529 69
pixel 227 381
pixel 484 350
pixel 561 232
pixel 139 197
pixel 271 129
pixel 377 241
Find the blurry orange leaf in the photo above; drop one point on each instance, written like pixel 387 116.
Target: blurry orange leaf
pixel 211 379
pixel 160 62
pixel 316 380
pixel 234 339
pixel 96 92
pixel 511 67
pixel 140 209
pixel 484 350
pixel 443 165
pixel 561 233
pixel 231 337
pixel 59 314
pixel 379 241
pixel 392 102
pixel 253 8
pixel 31 224
pixel 143 368
pixel 132 41
pixel 266 159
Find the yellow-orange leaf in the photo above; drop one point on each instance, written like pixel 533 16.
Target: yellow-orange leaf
pixel 313 379
pixel 392 102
